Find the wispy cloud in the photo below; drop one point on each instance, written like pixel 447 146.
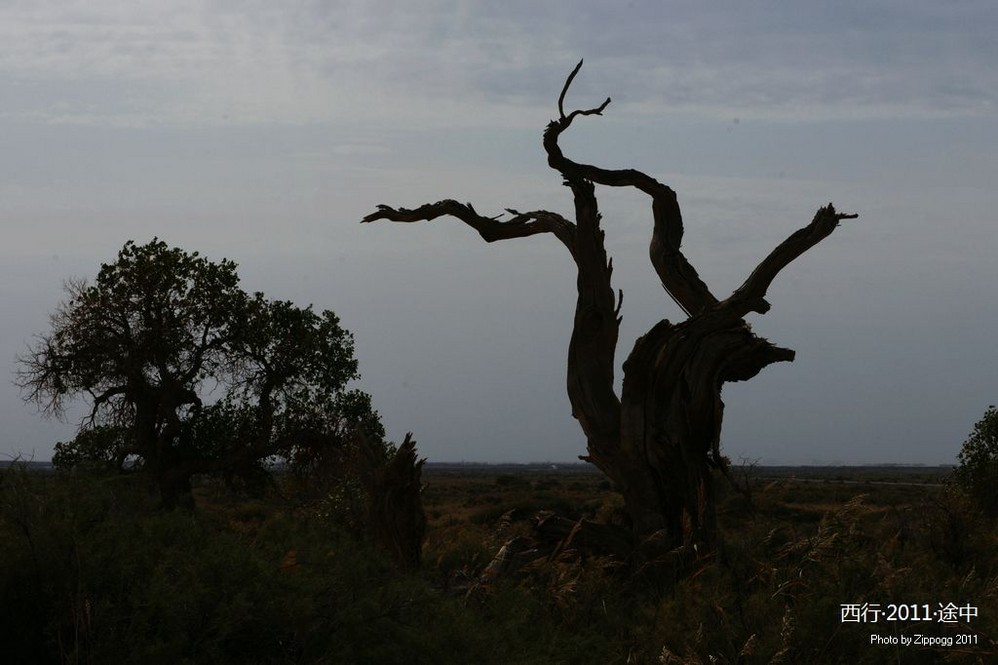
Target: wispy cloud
pixel 441 62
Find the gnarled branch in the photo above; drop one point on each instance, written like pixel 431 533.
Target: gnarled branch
pixel 751 296
pixel 490 228
pixel 678 276
pixel 561 100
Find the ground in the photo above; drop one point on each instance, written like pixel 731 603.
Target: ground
pixel 93 573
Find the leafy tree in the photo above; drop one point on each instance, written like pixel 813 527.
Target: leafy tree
pixel 159 332
pixel 978 469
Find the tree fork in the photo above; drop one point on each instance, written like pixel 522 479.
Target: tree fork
pixel 660 440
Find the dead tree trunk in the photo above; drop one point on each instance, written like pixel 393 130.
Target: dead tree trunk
pixel 659 440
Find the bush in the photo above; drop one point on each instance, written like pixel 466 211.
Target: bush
pixel 978 470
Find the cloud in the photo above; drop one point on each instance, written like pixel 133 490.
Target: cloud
pixel 446 61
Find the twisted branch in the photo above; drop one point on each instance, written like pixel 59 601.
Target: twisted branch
pixel 751 296
pixel 521 225
pixel 677 274
pixel 561 100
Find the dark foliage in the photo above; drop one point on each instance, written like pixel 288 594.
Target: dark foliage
pixel 159 332
pixel 977 473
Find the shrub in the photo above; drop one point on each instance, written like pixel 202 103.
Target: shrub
pixel 978 470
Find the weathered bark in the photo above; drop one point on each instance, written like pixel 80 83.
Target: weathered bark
pixel 660 440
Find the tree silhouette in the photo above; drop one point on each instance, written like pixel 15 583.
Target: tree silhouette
pixel 161 329
pixel 659 440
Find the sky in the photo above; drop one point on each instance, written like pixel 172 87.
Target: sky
pixel 263 132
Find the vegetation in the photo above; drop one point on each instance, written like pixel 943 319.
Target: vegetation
pixel 160 330
pixel 977 473
pixel 94 572
pixel 345 557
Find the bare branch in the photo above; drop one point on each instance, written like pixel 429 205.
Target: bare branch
pixel 102 399
pixel 564 90
pixel 678 276
pixel 490 228
pixel 751 296
pixel 561 100
pixel 39 376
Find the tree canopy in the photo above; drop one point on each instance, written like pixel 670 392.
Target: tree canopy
pixel 186 373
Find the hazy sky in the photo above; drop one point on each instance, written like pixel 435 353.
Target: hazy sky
pixel 264 131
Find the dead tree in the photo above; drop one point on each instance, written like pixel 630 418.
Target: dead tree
pixel 659 440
